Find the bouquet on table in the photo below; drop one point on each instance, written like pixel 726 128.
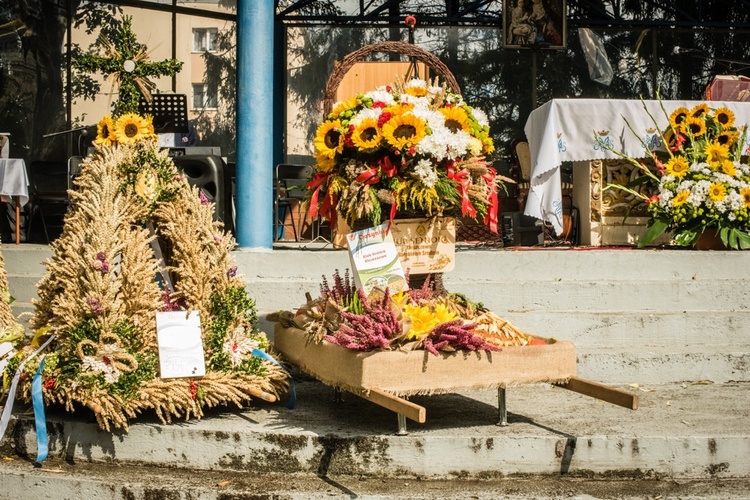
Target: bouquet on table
pixel 701 179
pixel 413 147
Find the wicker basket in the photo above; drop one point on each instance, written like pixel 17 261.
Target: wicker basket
pixel 342 67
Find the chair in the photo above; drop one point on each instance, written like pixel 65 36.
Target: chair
pixel 48 198
pixel 207 173
pixel 520 168
pixel 289 183
pixel 74 169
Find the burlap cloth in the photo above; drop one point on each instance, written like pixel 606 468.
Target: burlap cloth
pixel 403 373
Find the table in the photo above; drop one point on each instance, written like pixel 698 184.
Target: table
pixel 14 186
pixel 564 130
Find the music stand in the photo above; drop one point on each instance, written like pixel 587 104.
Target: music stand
pixel 169 112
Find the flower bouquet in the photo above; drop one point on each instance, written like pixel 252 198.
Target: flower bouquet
pixel 413 148
pixel 700 180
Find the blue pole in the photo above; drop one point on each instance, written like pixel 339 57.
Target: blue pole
pixel 254 184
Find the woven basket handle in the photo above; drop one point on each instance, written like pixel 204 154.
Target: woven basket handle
pixel 405 48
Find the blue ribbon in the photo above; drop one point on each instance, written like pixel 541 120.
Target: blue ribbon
pixel 37 401
pixel 292 389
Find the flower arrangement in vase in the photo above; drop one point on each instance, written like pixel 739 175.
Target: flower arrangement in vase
pixel 413 147
pixel 700 182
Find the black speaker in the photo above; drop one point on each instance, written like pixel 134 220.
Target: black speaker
pixel 207 173
pixel 521 230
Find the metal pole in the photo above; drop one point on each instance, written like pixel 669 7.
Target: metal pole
pixel 255 55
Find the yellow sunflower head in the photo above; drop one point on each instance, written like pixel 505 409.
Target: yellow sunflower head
pixel 725 117
pixel 323 163
pixel 727 166
pixel 716 154
pixel 398 108
pixel 680 199
pixel 343 106
pixel 416 90
pixel 130 128
pixel 695 126
pixel 699 111
pixel 745 193
pixel 329 139
pixel 404 131
pixel 717 191
pixel 366 134
pixel 677 166
pixel 727 138
pixel 456 118
pixel 678 117
pixel 105 131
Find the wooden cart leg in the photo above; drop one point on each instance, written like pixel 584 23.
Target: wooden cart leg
pixel 338 395
pixel 502 410
pixel 401 425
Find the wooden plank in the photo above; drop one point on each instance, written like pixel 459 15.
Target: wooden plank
pixel 603 392
pixel 394 403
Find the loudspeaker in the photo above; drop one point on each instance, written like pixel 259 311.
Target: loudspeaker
pixel 207 173
pixel 521 230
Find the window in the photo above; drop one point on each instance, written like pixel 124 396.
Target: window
pixel 202 98
pixel 205 39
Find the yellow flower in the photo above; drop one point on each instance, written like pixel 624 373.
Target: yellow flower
pixel 680 199
pixel 745 193
pixel 366 135
pixel 717 191
pixel 725 117
pixel 398 108
pixel 131 128
pixel 727 138
pixel 105 131
pixel 728 168
pixel 699 111
pixel 716 154
pixel 695 126
pixel 678 117
pixel 422 320
pixel 416 91
pixel 346 105
pixel 400 298
pixel 456 119
pixel 677 166
pixel 404 131
pixel 443 314
pixel 145 184
pixel 329 139
pixel 324 163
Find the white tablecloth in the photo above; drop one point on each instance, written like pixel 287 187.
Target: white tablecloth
pixel 563 130
pixel 14 181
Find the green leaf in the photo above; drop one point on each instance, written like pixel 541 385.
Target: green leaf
pixel 744 240
pixel 654 231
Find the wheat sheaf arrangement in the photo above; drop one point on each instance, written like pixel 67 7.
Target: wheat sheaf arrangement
pixel 101 293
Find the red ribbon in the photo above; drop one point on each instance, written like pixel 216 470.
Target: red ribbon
pixel 316 183
pixel 387 167
pixel 369 176
pixel 491 218
pixel 463 178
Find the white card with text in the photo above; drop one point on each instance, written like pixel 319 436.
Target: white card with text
pixel 180 344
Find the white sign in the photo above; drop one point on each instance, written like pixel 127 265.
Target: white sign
pixel 375 260
pixel 180 344
pixel 426 246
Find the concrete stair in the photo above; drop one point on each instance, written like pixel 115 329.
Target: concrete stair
pixel 667 324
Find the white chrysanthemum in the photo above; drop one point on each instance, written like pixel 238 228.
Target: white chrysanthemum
pixel 426 172
pixel 238 345
pixel 381 95
pixel 365 113
pixel 481 117
pixel 435 144
pixel 96 365
pixel 415 82
pixel 435 93
pixel 418 102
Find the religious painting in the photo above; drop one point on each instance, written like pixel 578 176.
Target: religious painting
pixel 534 24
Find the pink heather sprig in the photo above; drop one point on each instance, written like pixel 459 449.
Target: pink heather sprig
pixel 372 330
pixel 343 288
pixel 456 335
pixel 426 292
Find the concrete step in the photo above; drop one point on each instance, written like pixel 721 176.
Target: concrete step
pixel 682 432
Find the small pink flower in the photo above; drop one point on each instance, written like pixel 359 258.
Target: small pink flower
pixel 217 238
pixel 204 199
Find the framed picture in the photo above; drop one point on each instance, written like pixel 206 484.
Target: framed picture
pixel 534 24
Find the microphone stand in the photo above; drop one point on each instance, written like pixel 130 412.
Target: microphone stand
pixel 84 134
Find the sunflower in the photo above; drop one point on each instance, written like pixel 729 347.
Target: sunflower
pixel 695 126
pixel 716 154
pixel 131 128
pixel 745 194
pixel 681 198
pixel 727 138
pixel 323 163
pixel 728 168
pixel 717 191
pixel 329 139
pixel 366 135
pixel 456 119
pixel 725 117
pixel 699 111
pixel 343 106
pixel 416 91
pixel 422 320
pixel 398 108
pixel 677 166
pixel 105 131
pixel 677 118
pixel 404 131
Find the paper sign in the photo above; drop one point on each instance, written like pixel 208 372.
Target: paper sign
pixel 426 245
pixel 180 344
pixel 375 260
